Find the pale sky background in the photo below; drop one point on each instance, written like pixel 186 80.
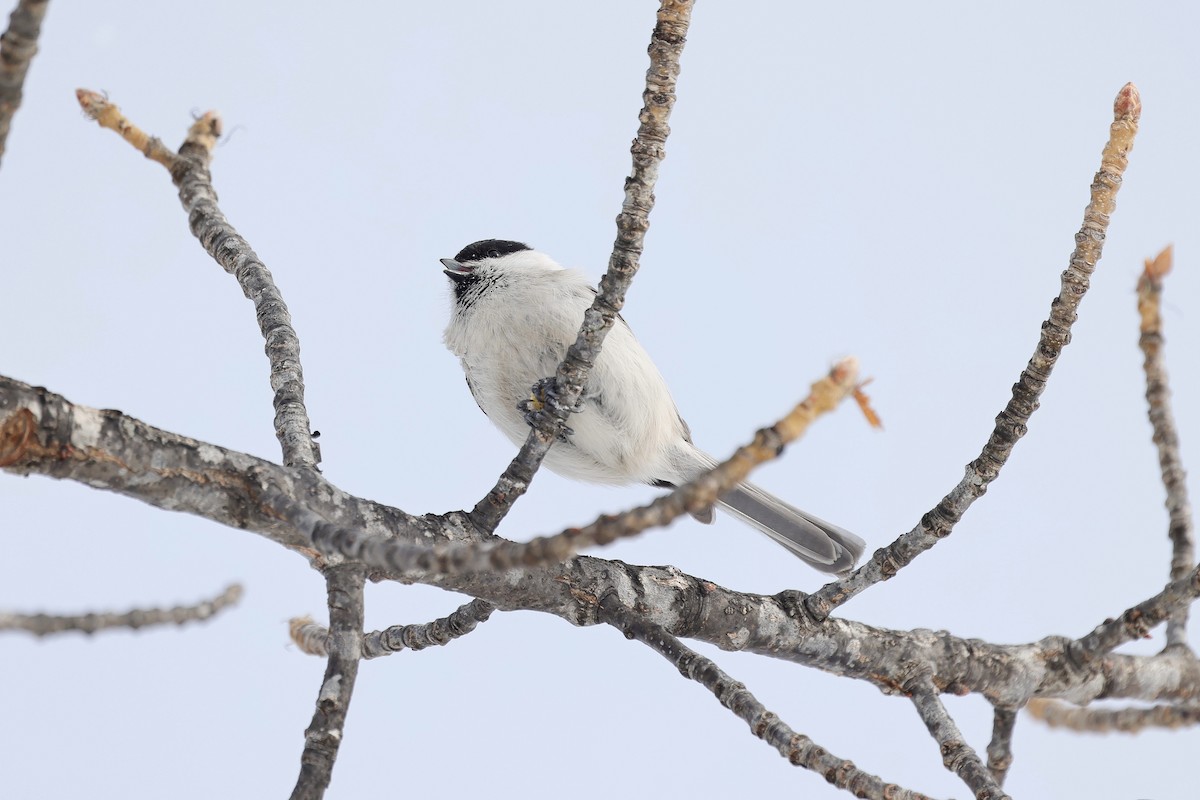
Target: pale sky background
pixel 901 182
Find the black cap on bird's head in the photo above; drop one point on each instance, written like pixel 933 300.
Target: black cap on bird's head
pixel 489 248
pixel 461 268
pixel 462 265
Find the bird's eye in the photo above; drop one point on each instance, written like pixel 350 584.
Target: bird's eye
pixel 493 253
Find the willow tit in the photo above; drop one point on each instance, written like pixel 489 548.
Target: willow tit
pixel 515 314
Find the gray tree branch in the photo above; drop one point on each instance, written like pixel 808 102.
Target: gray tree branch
pixel 189 171
pixel 344 584
pixel 958 756
pixel 797 748
pixel 1011 423
pixel 1166 434
pixel 117 453
pixel 560 399
pixel 313 638
pixel 135 619
pixel 18 46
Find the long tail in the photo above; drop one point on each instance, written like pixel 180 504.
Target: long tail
pixel 821 544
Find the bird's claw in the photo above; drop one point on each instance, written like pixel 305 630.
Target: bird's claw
pixel 545 394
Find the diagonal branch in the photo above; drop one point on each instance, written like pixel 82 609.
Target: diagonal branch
pixel 18 46
pixel 1137 621
pixel 46 624
pixel 795 747
pixel 1166 435
pixel 958 756
pixel 312 638
pixel 1012 421
pixel 189 171
pixel 666 46
pixel 402 557
pixel 325 733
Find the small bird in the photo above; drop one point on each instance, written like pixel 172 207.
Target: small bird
pixel 515 314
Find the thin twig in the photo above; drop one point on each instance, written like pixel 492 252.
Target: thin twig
pixel 344 584
pixel 1011 422
pixel 46 624
pixel 189 171
pixel 109 115
pixel 797 748
pixel 999 751
pixel 1166 435
pixel 958 756
pixel 1112 720
pixel 18 46
pixel 666 46
pixel 399 556
pixel 312 638
pixel 1137 621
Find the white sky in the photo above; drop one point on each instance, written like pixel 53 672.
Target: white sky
pixel 901 182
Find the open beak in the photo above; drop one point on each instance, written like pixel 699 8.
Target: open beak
pixel 455 270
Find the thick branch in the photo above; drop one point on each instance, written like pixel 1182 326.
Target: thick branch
pixel 1166 435
pixel 324 735
pixel 666 46
pixel 108 450
pixel 1012 421
pixel 18 46
pixel 42 433
pixel 45 624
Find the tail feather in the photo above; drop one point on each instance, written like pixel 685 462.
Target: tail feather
pixel 819 543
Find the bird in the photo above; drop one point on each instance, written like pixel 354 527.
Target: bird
pixel 516 311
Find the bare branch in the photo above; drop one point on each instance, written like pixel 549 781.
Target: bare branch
pixel 1112 720
pixel 797 748
pixel 395 556
pixel 999 751
pixel 957 755
pixel 18 46
pixel 311 637
pixel 1012 421
pixel 43 433
pixel 324 735
pixel 109 450
pixel 108 115
pixel 189 171
pixel 1138 621
pixel 45 624
pixel 666 46
pixel 1166 435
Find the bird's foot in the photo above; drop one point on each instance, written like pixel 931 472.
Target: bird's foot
pixel 542 396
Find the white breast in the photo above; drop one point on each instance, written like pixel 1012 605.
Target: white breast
pixel 518 330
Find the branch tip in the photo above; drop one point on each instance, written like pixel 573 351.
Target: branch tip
pixel 1128 104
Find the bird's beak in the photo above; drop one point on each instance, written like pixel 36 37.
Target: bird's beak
pixel 455 270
